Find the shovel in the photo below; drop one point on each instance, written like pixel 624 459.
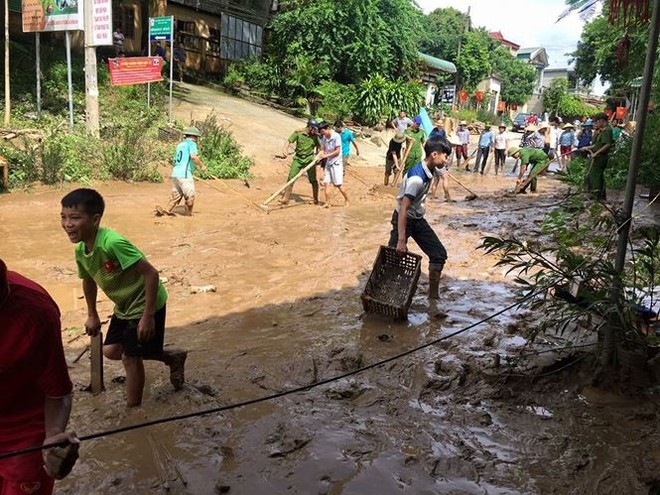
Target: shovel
pixel 470 197
pixel 271 198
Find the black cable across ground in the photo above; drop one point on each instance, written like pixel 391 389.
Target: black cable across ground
pixel 215 410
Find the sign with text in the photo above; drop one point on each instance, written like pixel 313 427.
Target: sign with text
pixel 52 15
pixel 125 71
pixel 448 93
pixel 160 28
pixel 101 18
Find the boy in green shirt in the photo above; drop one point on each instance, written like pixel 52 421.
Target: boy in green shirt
pixel 107 260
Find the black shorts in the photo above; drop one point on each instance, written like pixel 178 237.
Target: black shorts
pixel 124 332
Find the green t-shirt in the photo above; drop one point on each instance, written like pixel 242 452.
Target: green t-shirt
pixel 534 156
pixel 604 137
pixel 306 146
pixel 419 136
pixel 111 266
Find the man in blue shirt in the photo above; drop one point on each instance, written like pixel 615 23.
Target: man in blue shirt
pixel 347 138
pixel 408 217
pixel 486 142
pixel 185 159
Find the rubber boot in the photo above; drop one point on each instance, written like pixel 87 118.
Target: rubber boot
pixel 434 282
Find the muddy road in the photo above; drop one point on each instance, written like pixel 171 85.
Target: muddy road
pixel 286 313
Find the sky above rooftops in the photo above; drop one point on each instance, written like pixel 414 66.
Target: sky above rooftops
pixel 528 23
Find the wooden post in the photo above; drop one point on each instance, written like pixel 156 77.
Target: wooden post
pixel 7 90
pixel 91 83
pixel 67 40
pixel 96 356
pixel 203 57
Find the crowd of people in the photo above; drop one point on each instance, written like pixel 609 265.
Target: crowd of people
pixel 557 142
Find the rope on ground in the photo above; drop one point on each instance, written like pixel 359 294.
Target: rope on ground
pixel 240 194
pixel 356 176
pixel 305 388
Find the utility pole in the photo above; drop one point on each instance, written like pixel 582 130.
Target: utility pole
pixel 458 54
pixel 91 77
pixel 7 90
pixel 633 169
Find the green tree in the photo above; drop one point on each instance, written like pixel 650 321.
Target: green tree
pixel 352 38
pixel 473 64
pixel 553 95
pixel 443 28
pixel 600 47
pixel 518 78
pixel 558 101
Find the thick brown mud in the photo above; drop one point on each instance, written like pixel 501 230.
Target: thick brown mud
pixel 286 313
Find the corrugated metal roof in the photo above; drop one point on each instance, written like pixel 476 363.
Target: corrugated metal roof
pixel 257 11
pixel 438 63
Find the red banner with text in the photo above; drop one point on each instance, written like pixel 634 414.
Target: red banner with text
pixel 125 71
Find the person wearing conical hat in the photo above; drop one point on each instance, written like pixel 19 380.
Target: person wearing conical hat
pixel 535 138
pixel 500 147
pixel 463 135
pixel 393 157
pixel 186 157
pixel 566 141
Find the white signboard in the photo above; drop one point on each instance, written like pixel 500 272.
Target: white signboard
pixel 52 15
pixel 101 20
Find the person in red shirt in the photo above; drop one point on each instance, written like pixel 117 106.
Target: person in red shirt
pixel 35 402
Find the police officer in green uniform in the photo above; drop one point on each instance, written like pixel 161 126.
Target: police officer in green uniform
pixel 307 145
pixel 529 156
pixel 602 143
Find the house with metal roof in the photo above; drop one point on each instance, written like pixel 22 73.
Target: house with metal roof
pixel 434 67
pixel 213 32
